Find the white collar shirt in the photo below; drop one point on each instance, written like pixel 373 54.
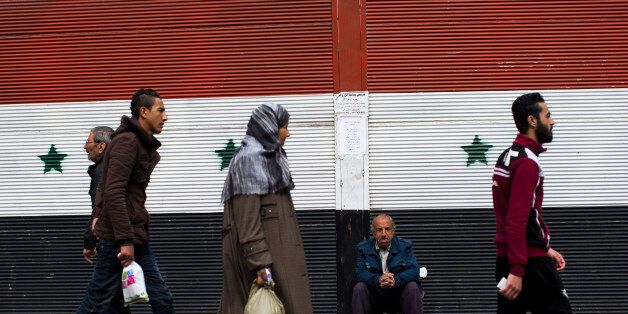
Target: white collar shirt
pixel 383 255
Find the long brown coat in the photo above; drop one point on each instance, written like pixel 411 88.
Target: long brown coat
pixel 257 231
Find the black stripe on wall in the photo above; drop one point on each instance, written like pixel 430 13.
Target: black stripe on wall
pixel 352 227
pixel 457 248
pixel 42 270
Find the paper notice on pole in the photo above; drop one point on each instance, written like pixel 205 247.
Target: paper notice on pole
pixel 351 103
pixel 351 135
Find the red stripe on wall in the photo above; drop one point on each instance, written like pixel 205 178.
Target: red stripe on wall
pixel 349 46
pixel 102 50
pixel 496 45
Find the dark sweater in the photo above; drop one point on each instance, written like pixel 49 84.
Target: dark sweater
pixel 95 173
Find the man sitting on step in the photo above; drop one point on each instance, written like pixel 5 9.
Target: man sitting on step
pixel 388 273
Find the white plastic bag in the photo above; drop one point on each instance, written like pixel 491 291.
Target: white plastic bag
pixel 133 286
pixel 262 298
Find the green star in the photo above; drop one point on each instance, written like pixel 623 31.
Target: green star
pixel 226 154
pixel 52 160
pixel 477 151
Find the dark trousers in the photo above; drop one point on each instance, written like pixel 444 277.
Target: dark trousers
pixel 542 290
pixel 406 299
pixel 104 293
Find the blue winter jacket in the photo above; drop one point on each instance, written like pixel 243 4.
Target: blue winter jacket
pixel 401 262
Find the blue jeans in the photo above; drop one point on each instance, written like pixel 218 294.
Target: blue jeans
pixel 104 292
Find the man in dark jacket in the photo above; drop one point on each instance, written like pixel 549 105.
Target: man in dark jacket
pixel 526 261
pixel 98 139
pixel 95 145
pixel 387 271
pixel 121 220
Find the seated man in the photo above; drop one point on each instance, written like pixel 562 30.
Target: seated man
pixel 387 271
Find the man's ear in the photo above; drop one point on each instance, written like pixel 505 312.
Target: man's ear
pixel 143 112
pixel 532 121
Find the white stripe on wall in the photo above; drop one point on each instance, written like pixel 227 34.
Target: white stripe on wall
pixel 415 154
pixel 188 178
pixel 416 159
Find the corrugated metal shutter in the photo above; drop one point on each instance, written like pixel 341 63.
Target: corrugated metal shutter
pixel 417 160
pixel 69 66
pixel 40 255
pixel 447 60
pixel 457 248
pixel 318 229
pixel 418 170
pixel 102 50
pixel 188 178
pixel 495 45
pixel 200 127
pixel 183 197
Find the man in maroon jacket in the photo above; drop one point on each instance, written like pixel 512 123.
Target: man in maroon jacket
pixel 525 257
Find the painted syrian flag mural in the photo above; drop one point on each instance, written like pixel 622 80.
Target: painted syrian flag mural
pixel 440 75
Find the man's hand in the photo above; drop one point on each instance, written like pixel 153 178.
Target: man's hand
pixel 89 254
pixel 126 255
pixel 387 280
pixel 557 258
pixel 512 288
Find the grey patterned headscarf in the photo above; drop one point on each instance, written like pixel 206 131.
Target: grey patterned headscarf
pixel 260 166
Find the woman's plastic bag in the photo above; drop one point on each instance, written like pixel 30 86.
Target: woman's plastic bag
pixel 133 286
pixel 262 298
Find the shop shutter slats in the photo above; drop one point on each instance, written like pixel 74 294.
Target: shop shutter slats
pixel 93 50
pixel 495 45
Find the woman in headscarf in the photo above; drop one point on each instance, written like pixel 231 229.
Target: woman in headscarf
pixel 260 230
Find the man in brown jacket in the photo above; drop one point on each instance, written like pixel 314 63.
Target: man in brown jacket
pixel 121 220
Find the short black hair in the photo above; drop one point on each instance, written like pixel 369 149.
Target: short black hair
pixel 524 106
pixel 144 97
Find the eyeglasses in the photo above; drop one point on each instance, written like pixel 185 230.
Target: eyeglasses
pixel 88 142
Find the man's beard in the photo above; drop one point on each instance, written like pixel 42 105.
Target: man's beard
pixel 544 133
